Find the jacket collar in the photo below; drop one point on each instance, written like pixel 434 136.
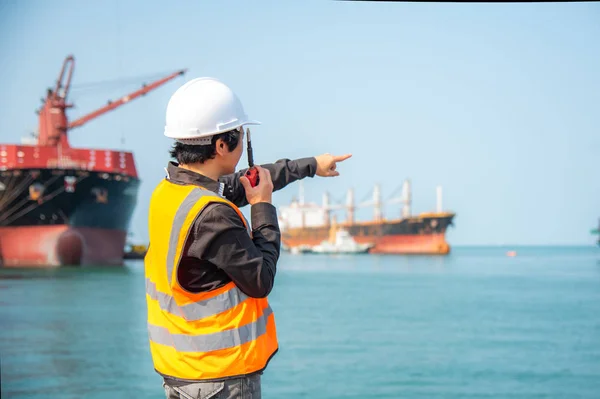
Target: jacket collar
pixel 178 175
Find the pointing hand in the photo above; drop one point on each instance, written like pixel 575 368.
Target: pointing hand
pixel 327 163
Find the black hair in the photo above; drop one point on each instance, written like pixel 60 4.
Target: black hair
pixel 192 153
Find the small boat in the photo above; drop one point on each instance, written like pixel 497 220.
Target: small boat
pixel 133 251
pixel 342 243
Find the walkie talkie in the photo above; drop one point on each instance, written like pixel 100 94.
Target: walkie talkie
pixel 252 172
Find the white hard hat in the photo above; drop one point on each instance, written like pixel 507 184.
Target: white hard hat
pixel 202 108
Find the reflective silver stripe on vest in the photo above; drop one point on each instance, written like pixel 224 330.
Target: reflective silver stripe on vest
pixel 198 310
pixel 182 212
pixel 211 342
pixel 180 216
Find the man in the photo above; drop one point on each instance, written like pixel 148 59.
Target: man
pixel 208 271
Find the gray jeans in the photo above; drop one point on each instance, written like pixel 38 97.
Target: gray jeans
pixel 238 388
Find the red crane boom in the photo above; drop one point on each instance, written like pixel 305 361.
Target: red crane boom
pixel 123 100
pixel 54 125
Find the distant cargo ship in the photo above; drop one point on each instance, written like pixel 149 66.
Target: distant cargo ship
pixel 61 205
pixel 306 225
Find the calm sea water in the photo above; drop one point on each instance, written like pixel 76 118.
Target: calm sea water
pixel 475 324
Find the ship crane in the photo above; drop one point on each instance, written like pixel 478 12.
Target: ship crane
pixel 376 202
pixel 53 122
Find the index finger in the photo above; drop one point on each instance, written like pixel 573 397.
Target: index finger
pixel 341 158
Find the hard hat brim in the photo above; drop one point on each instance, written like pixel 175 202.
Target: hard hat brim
pixel 251 122
pixel 178 135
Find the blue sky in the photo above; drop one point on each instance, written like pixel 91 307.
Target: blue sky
pixel 498 103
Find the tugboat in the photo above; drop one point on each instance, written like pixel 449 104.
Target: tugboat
pixel 343 244
pixel 340 242
pixel 135 251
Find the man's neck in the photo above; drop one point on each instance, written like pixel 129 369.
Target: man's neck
pixel 205 169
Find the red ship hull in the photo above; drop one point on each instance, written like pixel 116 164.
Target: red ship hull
pixel 52 216
pixel 58 245
pixel 431 244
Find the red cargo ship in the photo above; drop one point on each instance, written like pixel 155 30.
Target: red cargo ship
pixel 61 205
pixel 306 225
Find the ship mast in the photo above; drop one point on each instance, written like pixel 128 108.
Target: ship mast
pixel 53 122
pixel 350 206
pixel 326 208
pixel 377 207
pixel 406 199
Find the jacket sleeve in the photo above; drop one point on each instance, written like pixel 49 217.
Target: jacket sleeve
pixel 221 238
pixel 283 172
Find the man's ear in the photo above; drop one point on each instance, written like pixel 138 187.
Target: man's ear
pixel 220 147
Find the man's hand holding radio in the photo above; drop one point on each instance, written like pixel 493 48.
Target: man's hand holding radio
pixel 263 192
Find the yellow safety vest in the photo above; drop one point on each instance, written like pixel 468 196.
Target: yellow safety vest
pixel 198 336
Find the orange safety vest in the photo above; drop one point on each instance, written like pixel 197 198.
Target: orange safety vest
pixel 198 336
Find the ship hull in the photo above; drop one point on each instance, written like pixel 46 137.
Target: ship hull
pixel 411 236
pixel 60 245
pixel 52 217
pixel 433 244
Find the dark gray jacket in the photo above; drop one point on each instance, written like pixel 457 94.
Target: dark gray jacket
pixel 219 249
